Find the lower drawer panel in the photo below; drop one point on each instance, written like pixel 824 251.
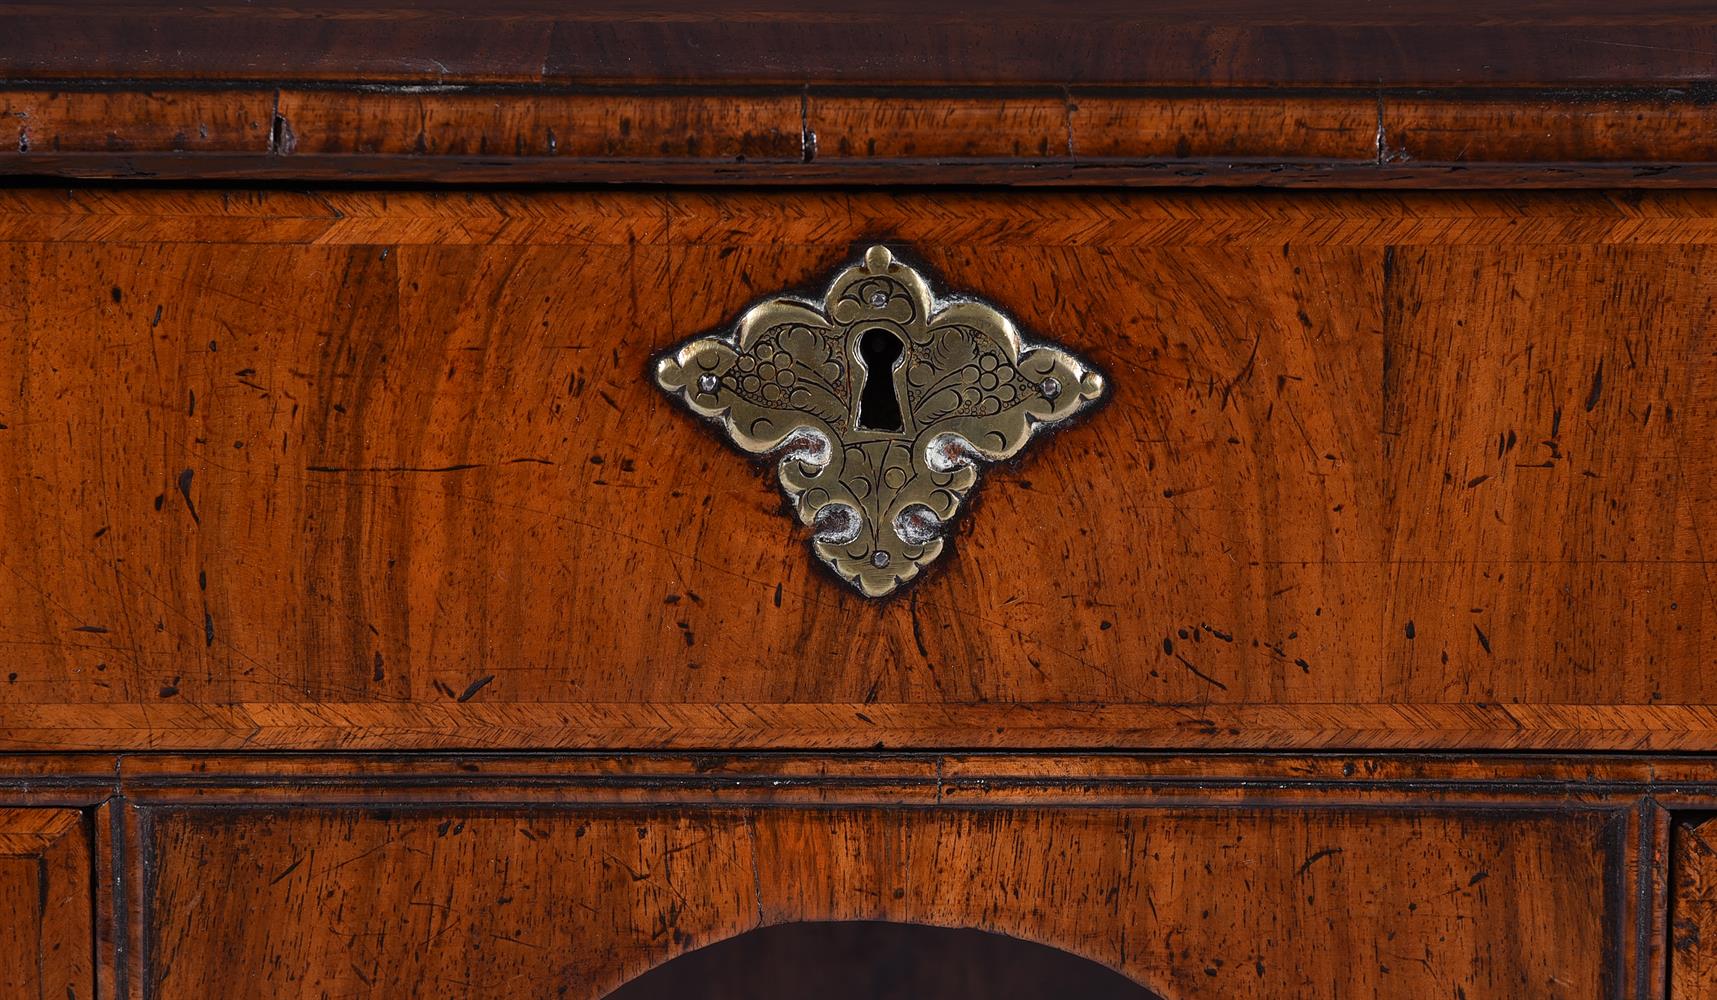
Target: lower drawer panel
pixel 575 895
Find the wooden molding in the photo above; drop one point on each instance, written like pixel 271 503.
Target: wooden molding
pixel 801 725
pixel 45 894
pixel 1218 848
pixel 816 134
pixel 1083 42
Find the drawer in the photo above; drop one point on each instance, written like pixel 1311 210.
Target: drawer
pixel 47 905
pixel 1039 499
pixel 583 877
pixel 356 469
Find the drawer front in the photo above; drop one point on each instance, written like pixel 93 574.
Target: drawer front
pixel 357 469
pixel 528 880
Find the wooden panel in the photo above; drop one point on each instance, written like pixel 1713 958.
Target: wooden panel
pixel 1329 127
pixel 1693 911
pixel 47 943
pixel 1682 782
pixel 1094 92
pixel 364 469
pixel 1357 795
pixel 831 132
pixel 1562 397
pixel 936 126
pixel 594 126
pixel 886 41
pixel 527 903
pixel 179 121
pixel 1642 128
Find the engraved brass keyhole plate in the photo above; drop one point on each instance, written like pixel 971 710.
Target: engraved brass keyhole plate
pixel 883 401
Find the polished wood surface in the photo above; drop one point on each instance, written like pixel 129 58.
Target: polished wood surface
pixel 1693 960
pixel 48 946
pixel 1026 92
pixel 1509 900
pixel 1663 42
pixel 349 469
pixel 1196 876
pixel 372 627
pixel 840 133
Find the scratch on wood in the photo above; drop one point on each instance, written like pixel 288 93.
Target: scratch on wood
pixel 1201 675
pixel 1314 859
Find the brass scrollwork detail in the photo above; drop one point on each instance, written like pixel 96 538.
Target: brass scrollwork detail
pixel 882 400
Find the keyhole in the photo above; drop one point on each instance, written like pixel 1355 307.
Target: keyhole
pixel 879 407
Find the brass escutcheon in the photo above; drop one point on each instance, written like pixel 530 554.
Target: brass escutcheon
pixel 883 400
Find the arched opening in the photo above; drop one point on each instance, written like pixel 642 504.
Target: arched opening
pixel 872 960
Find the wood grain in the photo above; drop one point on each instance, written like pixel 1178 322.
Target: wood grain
pixel 1684 782
pixel 1693 961
pixel 118 122
pixel 1545 127
pixel 1261 817
pixel 798 725
pixel 652 126
pixel 1029 126
pixel 1331 127
pixel 833 132
pixel 891 41
pixel 1597 400
pixel 308 468
pixel 48 924
pixel 364 469
pixel 1511 900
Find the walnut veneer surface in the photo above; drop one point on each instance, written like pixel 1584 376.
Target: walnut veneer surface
pixel 381 470
pixel 371 625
